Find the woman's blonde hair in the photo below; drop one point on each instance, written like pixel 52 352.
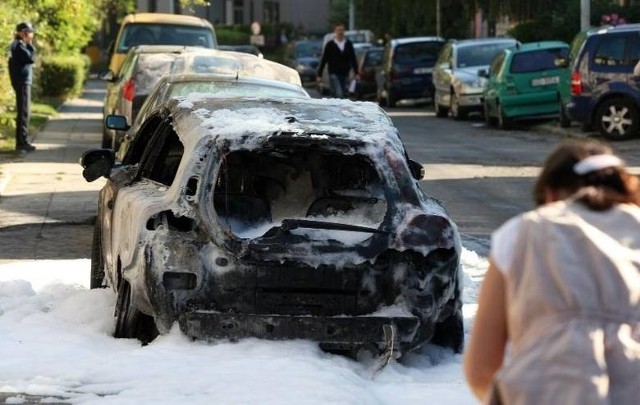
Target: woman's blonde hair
pixel 598 189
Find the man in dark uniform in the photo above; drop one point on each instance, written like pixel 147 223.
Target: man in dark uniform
pixel 23 56
pixel 340 57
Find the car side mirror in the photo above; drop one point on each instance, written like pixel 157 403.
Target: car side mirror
pixel 107 75
pixel 483 73
pixel 561 62
pixel 117 122
pixel 417 170
pixel 97 163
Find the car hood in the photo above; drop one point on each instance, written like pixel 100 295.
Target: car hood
pixel 469 73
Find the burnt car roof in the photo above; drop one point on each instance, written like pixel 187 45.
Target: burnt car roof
pixel 253 122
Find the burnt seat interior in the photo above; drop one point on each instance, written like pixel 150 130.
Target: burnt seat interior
pixel 270 185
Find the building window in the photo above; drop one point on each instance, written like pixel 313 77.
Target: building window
pixel 271 12
pixel 238 11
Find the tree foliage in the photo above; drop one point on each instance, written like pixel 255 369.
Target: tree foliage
pixel 538 19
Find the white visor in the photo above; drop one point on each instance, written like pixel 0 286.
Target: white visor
pixel 596 162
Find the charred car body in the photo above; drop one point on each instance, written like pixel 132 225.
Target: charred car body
pixel 275 218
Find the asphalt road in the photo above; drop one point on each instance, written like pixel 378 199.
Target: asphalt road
pixel 484 175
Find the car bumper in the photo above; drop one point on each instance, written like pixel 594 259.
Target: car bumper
pixel 530 104
pixel 470 101
pixel 342 330
pixel 580 109
pixel 412 87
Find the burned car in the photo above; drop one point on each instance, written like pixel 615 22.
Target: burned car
pixel 275 218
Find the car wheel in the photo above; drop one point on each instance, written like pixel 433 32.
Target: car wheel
pixel 450 332
pixel 617 119
pixel 504 122
pixel 563 117
pixel 97 265
pixel 130 322
pixel 491 121
pixel 457 113
pixel 441 112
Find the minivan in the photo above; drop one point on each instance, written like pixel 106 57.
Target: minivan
pixel 159 29
pixel 407 64
pixel 605 93
pixel 525 81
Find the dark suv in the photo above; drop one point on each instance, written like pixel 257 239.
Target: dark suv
pixel 407 64
pixel 605 94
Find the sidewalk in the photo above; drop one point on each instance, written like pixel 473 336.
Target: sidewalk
pixel 46 207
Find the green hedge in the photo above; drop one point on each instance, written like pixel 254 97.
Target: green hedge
pixel 231 36
pixel 62 76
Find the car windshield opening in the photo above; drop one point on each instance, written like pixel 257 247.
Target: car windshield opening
pixel 258 190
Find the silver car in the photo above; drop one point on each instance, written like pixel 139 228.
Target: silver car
pixel 458 86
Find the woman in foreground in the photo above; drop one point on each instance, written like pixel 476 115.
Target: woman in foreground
pixel 563 290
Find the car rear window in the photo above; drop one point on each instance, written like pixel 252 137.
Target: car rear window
pixel 165 34
pixel 232 90
pixel 537 61
pixel 151 67
pixel 373 58
pixel 610 51
pixel 423 53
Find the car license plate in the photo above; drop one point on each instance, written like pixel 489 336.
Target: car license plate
pixel 422 71
pixel 545 81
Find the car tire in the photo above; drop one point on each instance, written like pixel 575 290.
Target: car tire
pixel 490 121
pixel 504 122
pixel 563 117
pixel 457 113
pixel 617 119
pixel 97 264
pixel 450 332
pixel 441 112
pixel 130 322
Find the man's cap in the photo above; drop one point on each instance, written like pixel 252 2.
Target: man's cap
pixel 24 26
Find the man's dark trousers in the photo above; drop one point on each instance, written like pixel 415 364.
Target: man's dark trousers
pixel 23 105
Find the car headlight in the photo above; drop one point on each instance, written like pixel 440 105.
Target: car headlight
pixel 477 84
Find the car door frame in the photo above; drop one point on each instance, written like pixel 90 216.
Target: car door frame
pixel 122 176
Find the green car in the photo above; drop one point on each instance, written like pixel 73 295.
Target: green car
pixel 526 81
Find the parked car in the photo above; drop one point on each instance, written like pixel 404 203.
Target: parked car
pixel 458 87
pixel 407 65
pixel 211 85
pixel 159 29
pixel 305 221
pixel 304 56
pixel 369 70
pixel 127 90
pixel 605 93
pixel 251 49
pixel 525 81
